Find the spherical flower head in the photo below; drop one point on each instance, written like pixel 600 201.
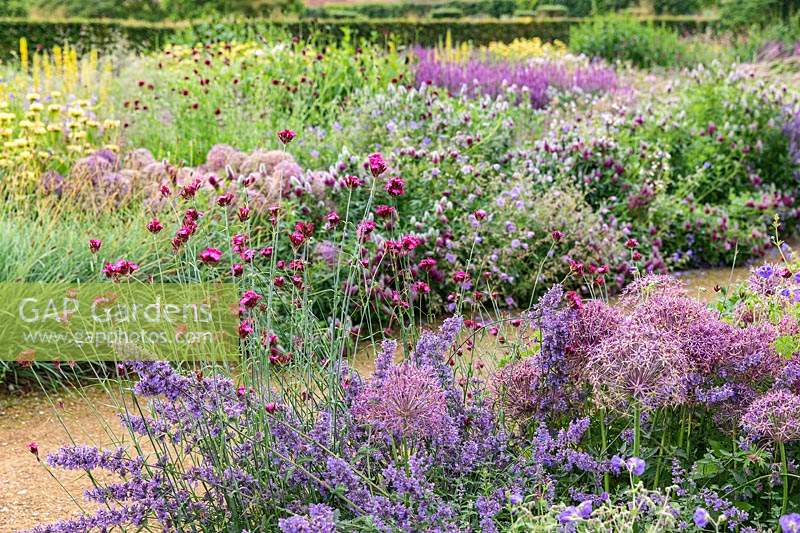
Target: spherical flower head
pixel 94 245
pixel 641 364
pixel 594 321
pixel 376 164
pixel 774 415
pixel 790 523
pixel 409 402
pixel 395 186
pixel 210 256
pixel 286 136
pixel 673 314
pixel 644 288
pixel 636 466
pixel 701 517
pixel 518 389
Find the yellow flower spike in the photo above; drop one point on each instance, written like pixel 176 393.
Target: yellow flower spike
pixel 6 132
pixel 113 147
pixel 54 127
pixel 92 124
pixel 53 108
pixel 79 135
pixel 23 54
pixel 55 95
pixel 36 107
pixel 7 117
pixel 33 96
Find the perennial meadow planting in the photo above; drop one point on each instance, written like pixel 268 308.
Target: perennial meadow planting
pixel 454 269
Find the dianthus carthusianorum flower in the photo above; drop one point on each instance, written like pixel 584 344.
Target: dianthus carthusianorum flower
pixel 775 415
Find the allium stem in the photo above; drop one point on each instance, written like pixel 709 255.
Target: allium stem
pixel 785 471
pixel 604 437
pixel 637 431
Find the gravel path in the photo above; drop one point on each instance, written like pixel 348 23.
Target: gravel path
pixel 28 494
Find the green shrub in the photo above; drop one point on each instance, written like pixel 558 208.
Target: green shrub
pixel 677 7
pixel 446 13
pixel 551 10
pixel 585 8
pixel 743 14
pixel 13 8
pixel 618 38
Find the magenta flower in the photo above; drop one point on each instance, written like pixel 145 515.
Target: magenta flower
pixel 376 163
pixel 33 447
pixel 237 269
pixel 246 328
pixel 94 245
pixel 286 136
pixel 250 299
pixel 395 186
pixel 297 238
pixel 122 267
pixel 154 226
pixel 244 213
pixel 210 256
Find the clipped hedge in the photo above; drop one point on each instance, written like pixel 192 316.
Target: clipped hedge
pixel 106 34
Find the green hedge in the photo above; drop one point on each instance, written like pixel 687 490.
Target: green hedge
pixel 395 10
pixel 106 34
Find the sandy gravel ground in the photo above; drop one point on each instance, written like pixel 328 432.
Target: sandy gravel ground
pixel 28 494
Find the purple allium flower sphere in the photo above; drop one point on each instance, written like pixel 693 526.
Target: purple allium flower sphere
pixel 774 415
pixel 639 363
pixel 409 402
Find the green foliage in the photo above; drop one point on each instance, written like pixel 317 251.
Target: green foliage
pixel 156 10
pixel 643 44
pixel 86 34
pixel 677 7
pixel 552 10
pixel 446 13
pixel 13 8
pixel 489 8
pixel 585 8
pixel 743 14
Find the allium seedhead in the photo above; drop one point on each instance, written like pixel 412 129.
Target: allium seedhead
pixel 774 415
pixel 517 388
pixel 408 403
pixel 641 364
pixel 594 321
pixel 672 314
pixel 642 289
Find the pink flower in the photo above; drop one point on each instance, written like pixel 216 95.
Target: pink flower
pixel 460 276
pixel 33 447
pixel 94 245
pixel 395 186
pixel 385 211
pixel 246 328
pixel 244 213
pixel 332 219
pixel 427 264
pixel 250 299
pixel 225 199
pixel 557 235
pixel 237 269
pixel 122 267
pixel 286 136
pixel 376 164
pixel 297 238
pixel 154 226
pixel 210 256
pixel 351 182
